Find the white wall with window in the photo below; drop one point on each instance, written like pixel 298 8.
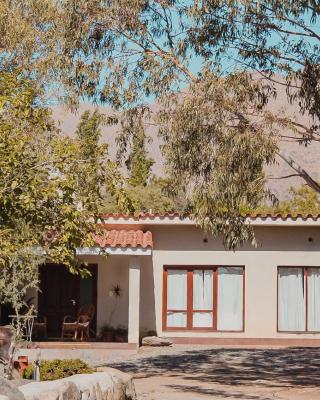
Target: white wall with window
pixel 230 313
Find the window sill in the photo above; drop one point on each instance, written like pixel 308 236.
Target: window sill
pixel 299 332
pixel 201 330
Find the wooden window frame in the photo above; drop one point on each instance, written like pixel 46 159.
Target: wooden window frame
pixel 305 274
pixel 190 311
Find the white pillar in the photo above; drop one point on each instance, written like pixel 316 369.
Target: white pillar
pixel 134 300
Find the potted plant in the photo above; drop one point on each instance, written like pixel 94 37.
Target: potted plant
pixel 121 334
pixel 107 333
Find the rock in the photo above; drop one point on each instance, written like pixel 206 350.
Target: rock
pixel 51 390
pixel 5 341
pixel 126 381
pixel 156 341
pixel 15 374
pixel 107 385
pixel 3 397
pixel 7 389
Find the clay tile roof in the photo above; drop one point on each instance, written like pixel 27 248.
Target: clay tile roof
pixel 144 215
pixel 123 238
pixel 283 216
pixel 176 215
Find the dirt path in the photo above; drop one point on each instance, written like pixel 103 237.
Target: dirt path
pixel 189 373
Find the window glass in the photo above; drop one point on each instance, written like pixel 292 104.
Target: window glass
pixel 291 300
pixel 202 298
pixel 176 319
pixel 202 319
pixel 177 298
pixel 230 298
pixel 202 289
pixel 313 299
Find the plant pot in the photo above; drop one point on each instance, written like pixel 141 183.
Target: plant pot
pixel 108 336
pixel 22 364
pixel 121 337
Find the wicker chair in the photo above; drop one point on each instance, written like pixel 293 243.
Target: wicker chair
pixel 72 328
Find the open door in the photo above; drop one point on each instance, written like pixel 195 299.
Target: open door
pixel 63 293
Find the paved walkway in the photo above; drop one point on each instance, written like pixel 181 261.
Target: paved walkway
pixel 194 372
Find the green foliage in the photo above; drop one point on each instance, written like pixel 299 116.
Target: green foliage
pixel 18 275
pixel 156 196
pixel 218 158
pixel 39 188
pixel 93 155
pixel 217 134
pixel 303 200
pixel 59 369
pixel 49 187
pixel 138 163
pixel 50 184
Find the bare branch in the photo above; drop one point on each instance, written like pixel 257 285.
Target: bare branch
pixel 300 171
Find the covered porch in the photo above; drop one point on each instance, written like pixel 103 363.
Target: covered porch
pixel 120 289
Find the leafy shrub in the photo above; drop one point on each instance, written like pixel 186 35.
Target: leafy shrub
pixel 58 369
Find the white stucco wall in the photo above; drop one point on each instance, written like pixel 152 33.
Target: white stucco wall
pixel 279 247
pixel 112 271
pixel 184 245
pixel 111 310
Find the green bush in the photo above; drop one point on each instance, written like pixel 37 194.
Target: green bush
pixel 58 369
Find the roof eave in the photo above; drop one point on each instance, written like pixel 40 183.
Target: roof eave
pixel 177 220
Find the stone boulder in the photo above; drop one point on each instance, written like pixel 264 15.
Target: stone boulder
pixel 7 389
pixel 96 386
pixel 125 381
pixel 5 341
pixel 50 390
pixel 156 341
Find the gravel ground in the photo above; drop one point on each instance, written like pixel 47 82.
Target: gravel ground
pixel 208 372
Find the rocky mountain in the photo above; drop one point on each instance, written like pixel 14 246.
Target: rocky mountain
pixel 307 157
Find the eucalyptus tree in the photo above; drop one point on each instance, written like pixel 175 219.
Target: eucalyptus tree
pixel 218 134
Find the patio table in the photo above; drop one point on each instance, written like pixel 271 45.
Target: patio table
pixel 29 320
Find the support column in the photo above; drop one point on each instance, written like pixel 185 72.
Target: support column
pixel 134 300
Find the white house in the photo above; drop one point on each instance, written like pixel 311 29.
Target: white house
pixel 164 275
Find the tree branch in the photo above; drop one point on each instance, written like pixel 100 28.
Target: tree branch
pixel 300 171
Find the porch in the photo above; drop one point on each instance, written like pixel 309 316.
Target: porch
pixel 118 290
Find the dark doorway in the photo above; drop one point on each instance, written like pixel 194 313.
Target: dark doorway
pixel 63 293
pixel 5 311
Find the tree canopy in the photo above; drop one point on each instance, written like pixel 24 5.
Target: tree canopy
pixel 196 59
pixel 51 189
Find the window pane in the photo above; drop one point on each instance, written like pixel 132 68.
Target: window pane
pixel 291 299
pixel 202 289
pixel 230 298
pixel 314 299
pixel 177 290
pixel 202 319
pixel 176 319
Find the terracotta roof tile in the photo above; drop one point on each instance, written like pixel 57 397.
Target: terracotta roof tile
pixel 176 215
pixel 142 216
pixel 123 238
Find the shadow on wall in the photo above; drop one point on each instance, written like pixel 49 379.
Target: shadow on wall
pixel 190 238
pixel 282 368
